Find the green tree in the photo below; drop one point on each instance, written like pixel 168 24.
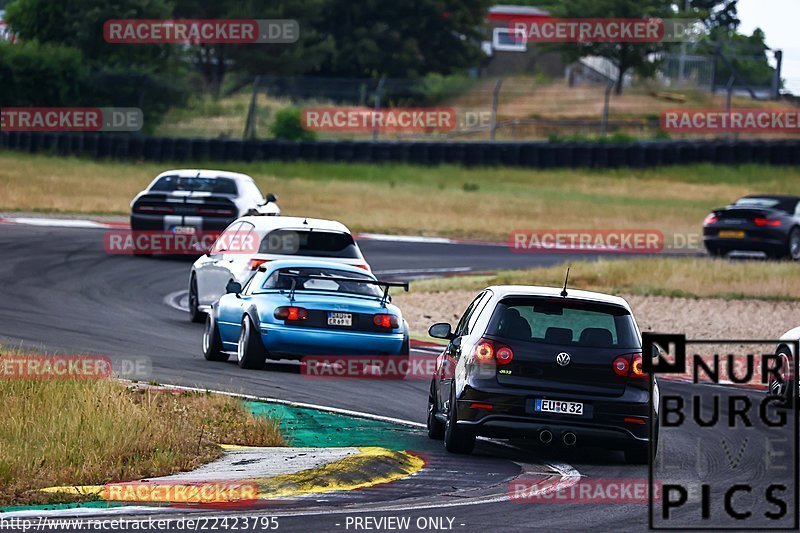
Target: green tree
pixel 625 56
pixel 401 39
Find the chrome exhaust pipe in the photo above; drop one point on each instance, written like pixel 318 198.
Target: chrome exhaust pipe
pixel 545 436
pixel 569 438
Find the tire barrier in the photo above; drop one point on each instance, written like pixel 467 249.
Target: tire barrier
pixel 473 154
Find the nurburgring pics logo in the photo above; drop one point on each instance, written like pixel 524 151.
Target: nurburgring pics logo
pixel 192 31
pixel 733 121
pixel 605 30
pixel 71 119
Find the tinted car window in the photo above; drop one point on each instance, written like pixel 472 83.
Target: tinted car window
pixel 312 243
pixel 212 185
pixel 564 322
pixel 461 328
pixel 282 279
pixel 787 205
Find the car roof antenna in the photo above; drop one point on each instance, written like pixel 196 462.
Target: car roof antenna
pixel 566 279
pixel 305 221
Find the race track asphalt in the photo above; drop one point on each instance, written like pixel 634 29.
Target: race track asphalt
pixel 59 291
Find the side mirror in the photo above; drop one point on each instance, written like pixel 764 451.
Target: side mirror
pixel 271 198
pixel 441 330
pixel 233 287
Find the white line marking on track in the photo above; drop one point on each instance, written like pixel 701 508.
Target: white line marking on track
pixel 56 222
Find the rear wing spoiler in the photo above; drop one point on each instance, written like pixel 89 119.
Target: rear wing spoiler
pixel 385 284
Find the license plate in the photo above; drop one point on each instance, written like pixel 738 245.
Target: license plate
pixel 558 406
pixel 731 234
pixel 184 230
pixel 340 319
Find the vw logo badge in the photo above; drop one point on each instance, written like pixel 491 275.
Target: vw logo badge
pixel 563 359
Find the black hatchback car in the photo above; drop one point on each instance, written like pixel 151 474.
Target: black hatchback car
pixel 764 223
pixel 527 362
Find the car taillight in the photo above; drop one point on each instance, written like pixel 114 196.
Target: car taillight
pixel 621 366
pixel 487 350
pixel 637 368
pixel 364 266
pixel 484 352
pixel 155 209
pixel 255 263
pixel 504 355
pixel 215 211
pixel 385 321
pixel 291 313
pixel 710 219
pixel 766 222
pixel 629 366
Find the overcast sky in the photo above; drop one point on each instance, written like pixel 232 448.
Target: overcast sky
pixel 780 20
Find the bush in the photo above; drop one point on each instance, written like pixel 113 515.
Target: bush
pixel 287 125
pixel 36 74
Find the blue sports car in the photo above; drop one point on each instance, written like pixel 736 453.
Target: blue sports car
pixel 291 308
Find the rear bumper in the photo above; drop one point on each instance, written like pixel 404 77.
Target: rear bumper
pixel 511 416
pixel 755 240
pixel 141 222
pixel 297 341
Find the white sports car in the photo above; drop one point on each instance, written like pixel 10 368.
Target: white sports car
pixel 251 241
pixel 198 201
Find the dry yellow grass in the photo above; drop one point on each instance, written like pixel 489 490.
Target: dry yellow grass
pixel 418 200
pixel 656 276
pixel 84 432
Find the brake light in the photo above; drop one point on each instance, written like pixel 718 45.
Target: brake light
pixel 634 420
pixel 710 219
pixel 766 222
pixel 255 263
pixel 385 321
pixel 621 366
pixel 637 369
pixel 291 313
pixel 629 366
pixel 364 266
pixel 504 355
pixel 159 209
pixel 215 211
pixel 486 351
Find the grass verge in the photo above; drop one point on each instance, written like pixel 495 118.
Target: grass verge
pixel 483 203
pixel 94 431
pixel 651 276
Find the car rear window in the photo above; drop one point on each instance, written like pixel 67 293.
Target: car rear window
pixel 212 185
pixel 312 243
pixel 787 205
pixel 564 322
pixel 282 280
